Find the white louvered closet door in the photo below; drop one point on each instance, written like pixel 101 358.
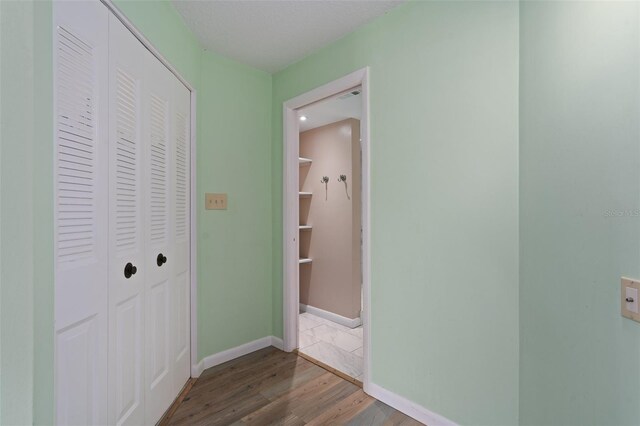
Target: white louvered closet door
pixel 127 75
pixel 122 187
pixel 180 264
pixel 159 239
pixel 81 221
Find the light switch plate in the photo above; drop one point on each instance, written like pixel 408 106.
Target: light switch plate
pixel 629 306
pixel 215 201
pixel 632 299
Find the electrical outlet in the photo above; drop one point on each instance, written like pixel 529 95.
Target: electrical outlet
pixel 215 201
pixel 630 289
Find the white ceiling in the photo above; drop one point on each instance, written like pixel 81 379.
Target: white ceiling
pixel 329 111
pixel 271 34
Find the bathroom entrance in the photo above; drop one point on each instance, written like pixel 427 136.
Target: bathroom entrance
pixel 330 255
pixel 326 250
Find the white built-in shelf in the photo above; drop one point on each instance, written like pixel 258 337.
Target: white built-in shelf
pixel 304 227
pixel 304 161
pixel 304 194
pixel 304 260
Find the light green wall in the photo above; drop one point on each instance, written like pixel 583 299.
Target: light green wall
pixel 234 246
pixel 43 216
pixel 16 201
pixel 453 210
pixel 579 163
pixel 444 200
pixel 26 263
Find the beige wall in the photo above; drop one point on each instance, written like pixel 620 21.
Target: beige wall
pixel 332 281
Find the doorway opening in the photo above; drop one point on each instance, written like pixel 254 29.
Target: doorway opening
pixel 326 253
pixel 330 274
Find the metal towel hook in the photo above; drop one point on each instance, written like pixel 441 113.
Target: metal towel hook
pixel 343 178
pixel 325 180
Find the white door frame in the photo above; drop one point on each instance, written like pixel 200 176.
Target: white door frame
pixel 195 372
pixel 291 208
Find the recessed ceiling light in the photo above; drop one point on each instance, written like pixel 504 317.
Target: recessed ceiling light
pixel 303 118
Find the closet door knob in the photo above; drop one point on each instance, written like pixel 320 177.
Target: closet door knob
pixel 161 259
pixel 129 270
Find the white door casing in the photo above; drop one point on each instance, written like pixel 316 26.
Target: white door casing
pixel 80 196
pixel 290 209
pixel 126 236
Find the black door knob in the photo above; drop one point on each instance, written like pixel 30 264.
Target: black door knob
pixel 129 270
pixel 161 259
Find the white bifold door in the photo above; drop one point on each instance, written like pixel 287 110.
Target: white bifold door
pixel 122 223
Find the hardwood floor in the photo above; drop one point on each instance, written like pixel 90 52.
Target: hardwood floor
pixel 272 387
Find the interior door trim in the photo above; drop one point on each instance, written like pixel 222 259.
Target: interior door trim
pixel 290 245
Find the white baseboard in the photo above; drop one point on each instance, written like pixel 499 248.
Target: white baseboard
pixel 277 343
pixel 339 319
pixel 409 408
pixel 233 353
pixel 196 369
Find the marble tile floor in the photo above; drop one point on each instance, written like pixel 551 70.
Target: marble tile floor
pixel 333 344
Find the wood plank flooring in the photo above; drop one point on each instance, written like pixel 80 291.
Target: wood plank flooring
pixel 272 387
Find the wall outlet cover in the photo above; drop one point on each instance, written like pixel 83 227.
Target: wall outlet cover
pixel 215 201
pixel 629 291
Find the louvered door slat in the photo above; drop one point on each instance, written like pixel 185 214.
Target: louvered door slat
pixel 76 149
pixel 126 163
pixel 158 170
pixel 181 183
